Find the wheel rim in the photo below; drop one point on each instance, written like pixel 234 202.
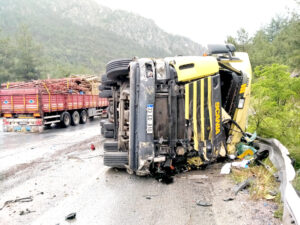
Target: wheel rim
pixel 76 118
pixel 84 117
pixel 66 120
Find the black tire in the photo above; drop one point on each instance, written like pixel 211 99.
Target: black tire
pixel 106 94
pixel 118 69
pixel 115 159
pixel 102 122
pixel 107 82
pixel 65 119
pixel 83 117
pixel 110 146
pixel 104 87
pixel 108 134
pixel 109 126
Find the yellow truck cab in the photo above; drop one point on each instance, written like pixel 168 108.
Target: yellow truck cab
pixel 176 113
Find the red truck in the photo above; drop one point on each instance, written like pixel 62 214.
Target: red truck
pixel 30 109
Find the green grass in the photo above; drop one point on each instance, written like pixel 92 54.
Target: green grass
pixel 296 182
pixel 263 184
pixel 295 154
pixel 264 181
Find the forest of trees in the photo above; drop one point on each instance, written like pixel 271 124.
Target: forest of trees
pixel 275 103
pixel 22 59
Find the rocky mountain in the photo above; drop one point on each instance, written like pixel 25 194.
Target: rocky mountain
pixel 83 32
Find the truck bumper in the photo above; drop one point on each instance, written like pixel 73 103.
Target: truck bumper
pixel 31 125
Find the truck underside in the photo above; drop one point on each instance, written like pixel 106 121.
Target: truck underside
pixel 174 114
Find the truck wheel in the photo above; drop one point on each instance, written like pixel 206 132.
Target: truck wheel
pixel 75 118
pixel 110 146
pixel 65 119
pixel 108 134
pixel 106 81
pixel 83 117
pixel 109 126
pixel 116 159
pixel 102 122
pixel 106 94
pixel 117 69
pixel 104 87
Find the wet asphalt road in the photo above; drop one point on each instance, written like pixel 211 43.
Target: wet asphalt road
pixel 62 175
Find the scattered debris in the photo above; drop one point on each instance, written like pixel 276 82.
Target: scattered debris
pixel 203 203
pixel 228 199
pixel 226 169
pixel 71 216
pixel 241 164
pixel 93 147
pixel 269 197
pixel 245 151
pixel 242 185
pixel 149 196
pixel 273 193
pixel 250 140
pixel 27 211
pixel 164 178
pixel 25 199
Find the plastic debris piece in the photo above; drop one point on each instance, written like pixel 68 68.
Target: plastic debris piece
pixel 93 147
pixel 228 199
pixel 27 211
pixel 71 216
pixel 226 169
pixel 203 203
pixel 231 156
pixel 245 151
pixel 26 199
pixel 269 197
pixel 252 138
pixel 242 185
pixel 273 193
pixel 241 164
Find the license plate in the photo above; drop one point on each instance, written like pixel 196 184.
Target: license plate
pixel 149 118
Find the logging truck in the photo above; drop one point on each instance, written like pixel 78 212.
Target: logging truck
pixel 31 109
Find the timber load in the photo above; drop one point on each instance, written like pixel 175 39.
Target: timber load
pixel 75 84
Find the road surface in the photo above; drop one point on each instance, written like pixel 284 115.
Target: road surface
pixel 62 175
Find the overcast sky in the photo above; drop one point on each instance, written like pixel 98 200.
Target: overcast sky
pixel 205 21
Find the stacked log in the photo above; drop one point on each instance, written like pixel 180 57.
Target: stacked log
pixel 75 84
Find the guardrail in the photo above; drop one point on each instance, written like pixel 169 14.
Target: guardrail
pixel 279 155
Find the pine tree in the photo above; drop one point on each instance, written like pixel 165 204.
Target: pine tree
pixel 6 60
pixel 28 56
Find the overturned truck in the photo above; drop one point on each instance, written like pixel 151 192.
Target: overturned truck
pixel 175 113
